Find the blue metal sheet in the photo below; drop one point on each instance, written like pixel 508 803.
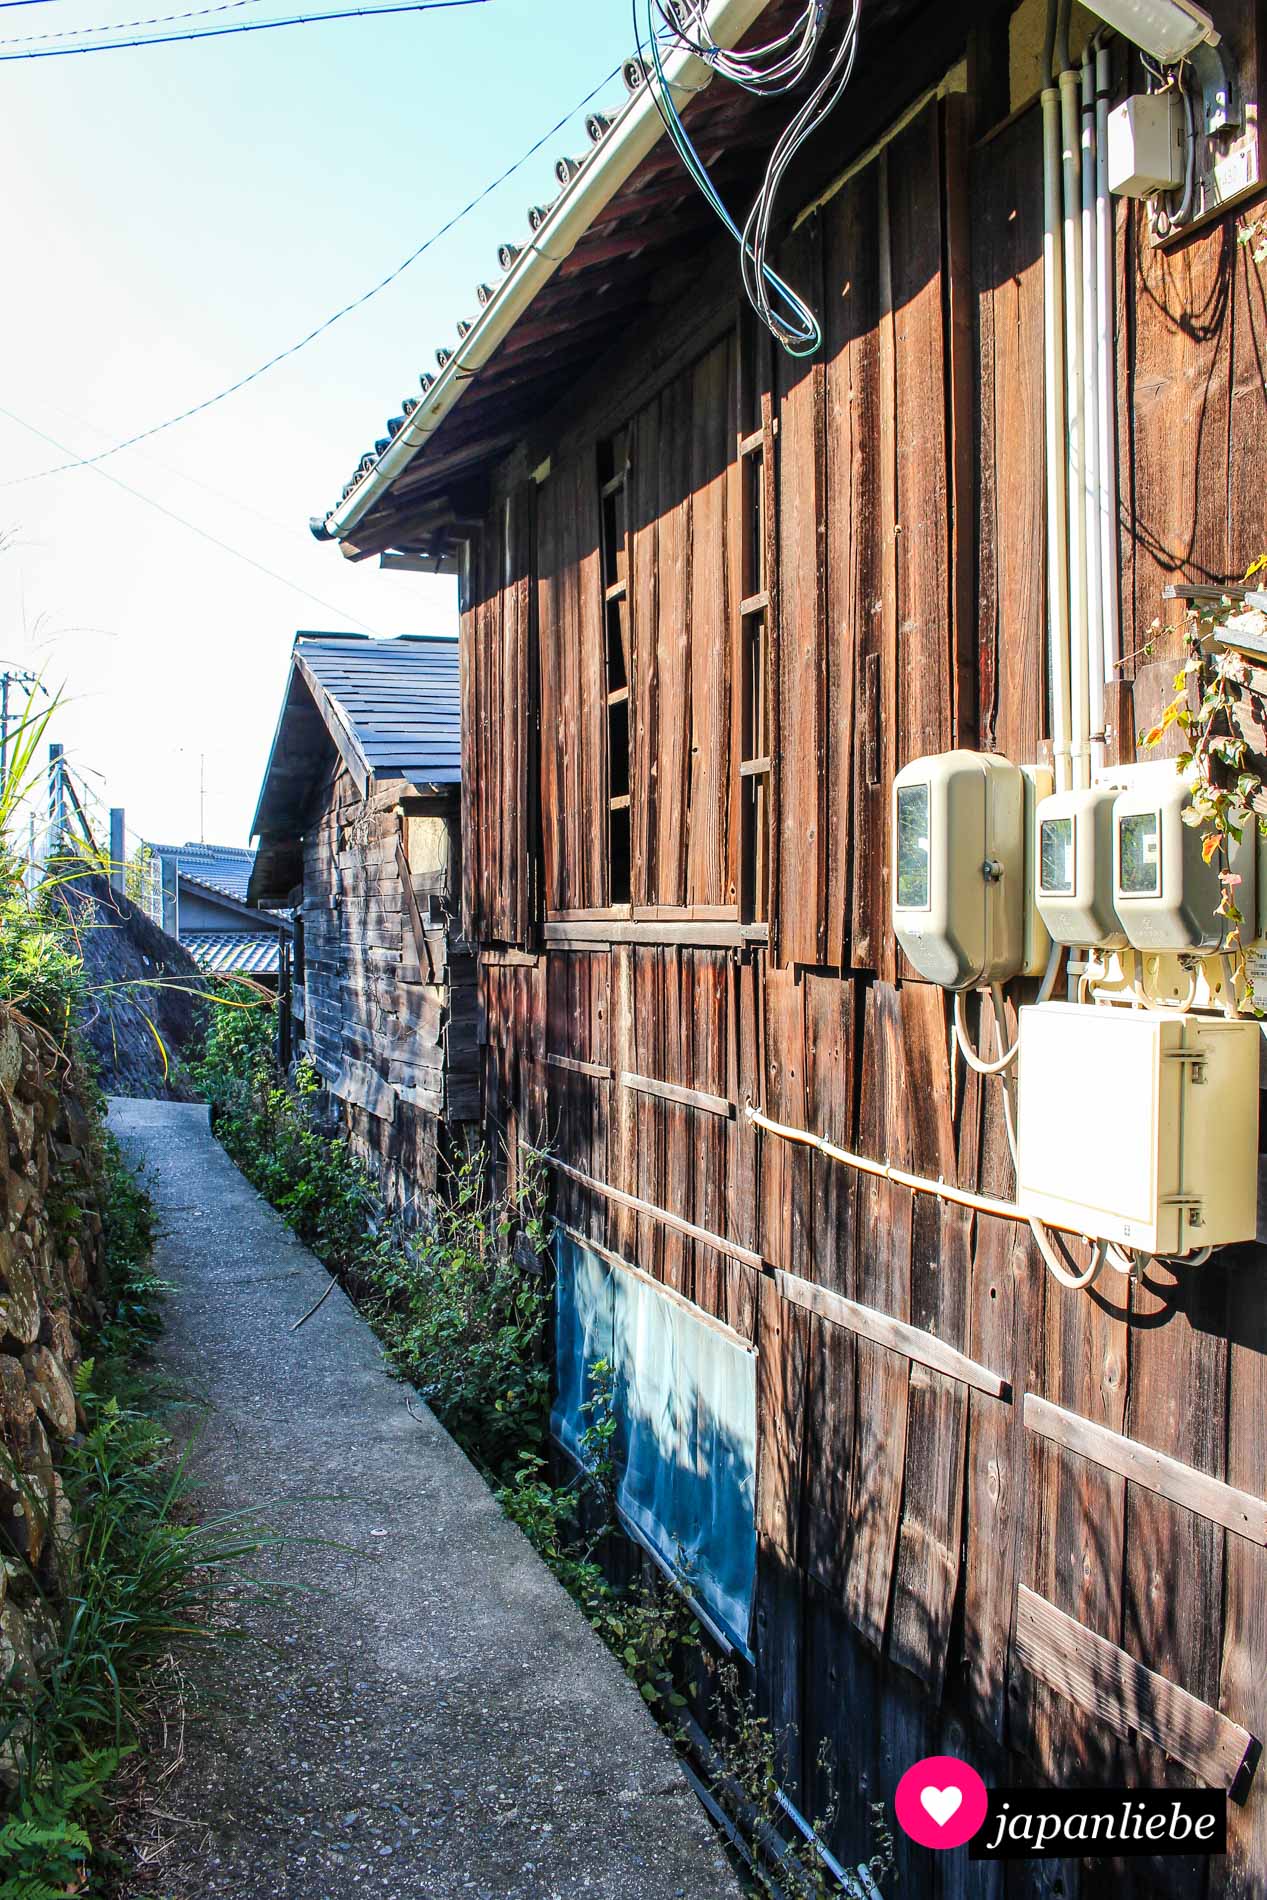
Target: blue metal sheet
pixel 684 1395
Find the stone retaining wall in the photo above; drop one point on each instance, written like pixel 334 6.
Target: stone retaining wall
pixel 50 1257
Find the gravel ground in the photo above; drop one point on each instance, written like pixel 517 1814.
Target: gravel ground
pixel 428 1714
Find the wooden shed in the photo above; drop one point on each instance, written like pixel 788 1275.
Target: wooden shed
pixel 713 597
pixel 358 827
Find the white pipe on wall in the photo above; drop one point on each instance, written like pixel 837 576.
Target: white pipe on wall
pixel 1106 370
pixel 1070 140
pixel 1091 498
pixel 1056 444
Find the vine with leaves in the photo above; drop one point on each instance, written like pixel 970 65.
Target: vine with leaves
pixel 1227 785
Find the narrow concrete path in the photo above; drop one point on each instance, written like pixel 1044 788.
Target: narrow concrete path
pixel 430 1716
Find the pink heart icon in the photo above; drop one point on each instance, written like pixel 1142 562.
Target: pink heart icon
pixel 941 1801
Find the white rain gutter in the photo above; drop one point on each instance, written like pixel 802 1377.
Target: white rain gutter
pixel 633 135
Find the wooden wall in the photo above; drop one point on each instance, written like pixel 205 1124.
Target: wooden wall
pixel 930 1512
pixel 386 1007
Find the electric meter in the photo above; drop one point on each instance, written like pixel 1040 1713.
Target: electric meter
pixel 1139 1126
pixel 1166 896
pixel 1073 851
pixel 959 868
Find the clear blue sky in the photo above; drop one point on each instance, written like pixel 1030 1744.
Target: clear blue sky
pixel 170 218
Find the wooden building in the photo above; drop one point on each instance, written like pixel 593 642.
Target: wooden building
pixel 712 598
pixel 359 835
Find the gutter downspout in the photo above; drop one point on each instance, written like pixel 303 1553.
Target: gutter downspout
pixel 635 133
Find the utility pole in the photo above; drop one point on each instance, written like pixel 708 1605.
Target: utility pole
pixel 202 798
pixel 11 676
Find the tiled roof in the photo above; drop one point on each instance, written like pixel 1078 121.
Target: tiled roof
pixel 225 867
pixel 234 952
pixel 398 698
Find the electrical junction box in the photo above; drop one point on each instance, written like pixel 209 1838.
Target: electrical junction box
pixel 1139 1126
pixel 1073 850
pixel 1165 894
pixel 960 905
pixel 1147 144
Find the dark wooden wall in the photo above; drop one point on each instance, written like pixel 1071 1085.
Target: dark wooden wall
pixel 386 1007
pixel 905 1509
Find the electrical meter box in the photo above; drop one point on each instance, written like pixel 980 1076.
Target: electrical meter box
pixel 1165 894
pixel 959 870
pixel 1139 1126
pixel 1073 850
pixel 1147 144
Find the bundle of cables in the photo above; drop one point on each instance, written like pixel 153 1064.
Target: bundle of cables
pixel 777 67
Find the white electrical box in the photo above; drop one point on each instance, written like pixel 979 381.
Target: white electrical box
pixel 1147 144
pixel 1139 1126
pixel 959 870
pixel 1073 850
pixel 1165 894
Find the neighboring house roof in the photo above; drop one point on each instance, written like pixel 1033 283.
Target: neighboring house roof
pixel 234 952
pixel 390 708
pixel 225 867
pixel 628 212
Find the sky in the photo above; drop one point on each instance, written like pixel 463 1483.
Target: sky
pixel 172 217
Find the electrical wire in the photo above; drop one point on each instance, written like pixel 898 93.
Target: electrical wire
pixel 193 526
pixel 249 26
pixel 123 26
pixel 357 303
pixel 767 70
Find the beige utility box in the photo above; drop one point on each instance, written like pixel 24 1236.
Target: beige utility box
pixel 1166 896
pixel 1074 851
pixel 1139 1126
pixel 960 908
pixel 1147 144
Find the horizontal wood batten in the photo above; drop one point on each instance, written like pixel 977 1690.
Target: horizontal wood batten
pixel 662 1214
pixel 670 1293
pixel 1235 1510
pixel 704 935
pixel 673 1092
pixel 925 1348
pixel 599 1070
pixel 1128 1698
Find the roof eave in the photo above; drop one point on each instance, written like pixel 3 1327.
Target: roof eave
pixel 632 136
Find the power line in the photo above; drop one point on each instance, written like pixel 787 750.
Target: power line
pixel 193 527
pixel 250 26
pixel 121 26
pixel 209 402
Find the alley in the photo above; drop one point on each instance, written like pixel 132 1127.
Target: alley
pixel 427 1714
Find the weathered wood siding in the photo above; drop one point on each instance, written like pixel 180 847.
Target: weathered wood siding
pixel 907 1513
pixel 386 1007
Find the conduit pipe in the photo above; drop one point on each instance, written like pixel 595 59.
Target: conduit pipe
pixel 1056 445
pixel 634 134
pixel 1071 193
pixel 1091 493
pixel 1106 372
pixel 885 1171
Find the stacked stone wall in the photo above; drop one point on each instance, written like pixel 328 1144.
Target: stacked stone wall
pixel 50 1266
